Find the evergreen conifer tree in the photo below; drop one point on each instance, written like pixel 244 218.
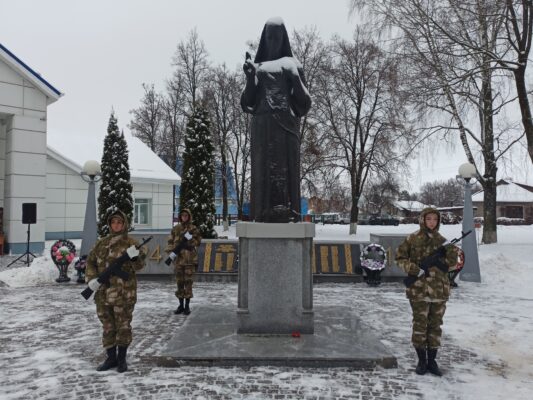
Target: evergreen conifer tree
pixel 115 188
pixel 197 191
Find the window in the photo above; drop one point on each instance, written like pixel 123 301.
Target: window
pixel 141 215
pixel 514 212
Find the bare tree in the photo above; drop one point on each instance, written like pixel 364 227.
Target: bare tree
pixel 313 54
pixel 504 42
pixel 223 99
pixel 360 109
pixel 174 110
pixel 147 119
pixel 192 66
pixel 519 27
pixel 442 193
pixel 381 193
pixel 405 195
pixel 450 82
pixel 239 147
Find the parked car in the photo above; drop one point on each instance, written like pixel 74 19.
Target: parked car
pixel 384 219
pixel 335 218
pixel 410 220
pixel 344 219
pixel 362 219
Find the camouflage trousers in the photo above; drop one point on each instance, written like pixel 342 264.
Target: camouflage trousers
pixel 427 321
pixel 116 324
pixel 184 279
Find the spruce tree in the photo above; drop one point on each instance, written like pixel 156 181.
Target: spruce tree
pixel 115 188
pixel 197 191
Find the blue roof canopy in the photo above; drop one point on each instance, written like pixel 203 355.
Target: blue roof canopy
pixel 30 71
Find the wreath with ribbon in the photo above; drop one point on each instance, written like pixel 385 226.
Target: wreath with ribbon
pixel 63 252
pixel 374 257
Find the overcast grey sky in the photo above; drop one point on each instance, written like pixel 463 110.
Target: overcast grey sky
pixel 98 53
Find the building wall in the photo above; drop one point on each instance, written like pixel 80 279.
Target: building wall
pixel 161 201
pixel 66 200
pixel 23 155
pixel 3 124
pixel 501 210
pixel 478 210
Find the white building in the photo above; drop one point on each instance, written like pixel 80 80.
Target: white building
pixel 24 98
pixel 407 208
pixel 41 168
pixel 66 193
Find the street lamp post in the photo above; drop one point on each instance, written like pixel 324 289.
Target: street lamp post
pixel 470 271
pixel 91 174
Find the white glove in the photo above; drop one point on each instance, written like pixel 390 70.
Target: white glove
pixel 94 285
pixel 421 272
pixel 188 236
pixel 132 252
pixel 172 256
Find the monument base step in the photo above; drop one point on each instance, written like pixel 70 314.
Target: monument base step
pixel 209 338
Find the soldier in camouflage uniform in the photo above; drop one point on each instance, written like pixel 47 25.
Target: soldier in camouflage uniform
pixel 187 260
pixel 428 295
pixel 115 300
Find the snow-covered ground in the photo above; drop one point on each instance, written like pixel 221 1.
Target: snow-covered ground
pixel 49 336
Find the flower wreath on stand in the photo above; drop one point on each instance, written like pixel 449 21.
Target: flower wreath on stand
pixel 373 261
pixel 80 265
pixel 63 253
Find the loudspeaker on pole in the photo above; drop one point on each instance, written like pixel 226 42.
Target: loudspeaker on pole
pixel 29 213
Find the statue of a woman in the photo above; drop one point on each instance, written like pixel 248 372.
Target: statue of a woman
pixel 276 96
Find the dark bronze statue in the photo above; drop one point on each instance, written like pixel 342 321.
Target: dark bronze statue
pixel 276 96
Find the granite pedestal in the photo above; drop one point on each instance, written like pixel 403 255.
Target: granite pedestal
pixel 209 338
pixel 275 278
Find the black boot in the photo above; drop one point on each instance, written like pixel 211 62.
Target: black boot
pixel 121 359
pixel 421 367
pixel 187 310
pixel 180 308
pixel 432 364
pixel 110 361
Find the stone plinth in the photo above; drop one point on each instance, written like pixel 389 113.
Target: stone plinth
pixel 208 338
pixel 275 278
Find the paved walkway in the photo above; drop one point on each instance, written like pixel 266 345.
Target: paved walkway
pixel 50 345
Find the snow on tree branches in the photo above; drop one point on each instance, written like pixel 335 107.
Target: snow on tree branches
pixel 116 188
pixel 197 191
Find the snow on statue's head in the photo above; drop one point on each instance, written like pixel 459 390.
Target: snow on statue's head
pixel 274 43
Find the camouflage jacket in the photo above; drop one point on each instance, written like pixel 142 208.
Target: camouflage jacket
pixel 186 256
pixel 418 245
pixel 118 292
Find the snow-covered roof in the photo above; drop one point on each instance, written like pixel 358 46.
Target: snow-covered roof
pixel 23 69
pixel 145 166
pixel 409 205
pixel 509 192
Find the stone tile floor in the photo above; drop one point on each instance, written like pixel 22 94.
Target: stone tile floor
pixel 50 345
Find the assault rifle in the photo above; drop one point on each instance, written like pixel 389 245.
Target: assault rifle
pixel 182 244
pixel 114 269
pixel 434 259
